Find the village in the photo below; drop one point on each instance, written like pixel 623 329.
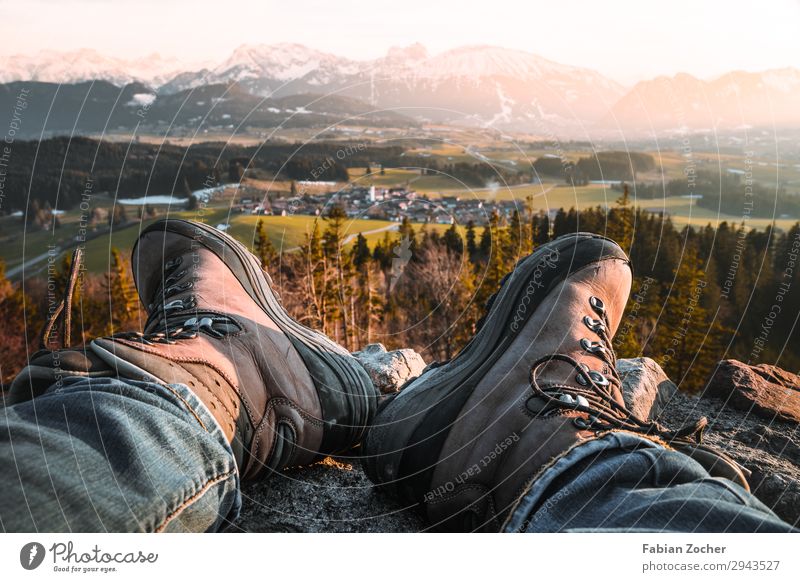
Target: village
pixel 393 204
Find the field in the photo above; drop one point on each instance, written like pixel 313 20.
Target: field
pixel 30 245
pixel 286 233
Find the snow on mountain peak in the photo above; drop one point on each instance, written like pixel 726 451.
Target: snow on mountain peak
pixel 282 61
pixel 85 65
pixel 413 52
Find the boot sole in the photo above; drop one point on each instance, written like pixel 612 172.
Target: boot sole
pixel 404 442
pixel 347 396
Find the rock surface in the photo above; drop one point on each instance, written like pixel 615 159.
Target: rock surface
pixel 763 389
pixel 770 450
pixel 335 495
pixel 390 370
pixel 645 387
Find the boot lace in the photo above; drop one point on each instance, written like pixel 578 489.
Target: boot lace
pixel 168 321
pixel 594 394
pixel 63 311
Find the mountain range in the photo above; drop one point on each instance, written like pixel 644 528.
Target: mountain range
pixel 510 90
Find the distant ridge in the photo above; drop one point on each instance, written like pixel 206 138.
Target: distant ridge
pixel 488 86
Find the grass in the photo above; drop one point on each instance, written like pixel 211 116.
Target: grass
pixel 285 232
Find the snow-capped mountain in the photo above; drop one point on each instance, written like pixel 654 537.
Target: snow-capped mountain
pixel 88 65
pixel 283 61
pixel 473 85
pixel 476 85
pixel 487 85
pixel 263 69
pixel 480 61
pixel 686 103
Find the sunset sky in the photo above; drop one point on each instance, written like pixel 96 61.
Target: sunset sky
pixel 626 40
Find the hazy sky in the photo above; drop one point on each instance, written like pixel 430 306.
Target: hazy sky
pixel 626 40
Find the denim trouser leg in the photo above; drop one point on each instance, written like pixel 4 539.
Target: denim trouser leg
pixel 621 483
pixel 115 455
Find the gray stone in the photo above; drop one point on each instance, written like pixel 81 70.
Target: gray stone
pixel 645 387
pixel 390 370
pixel 762 389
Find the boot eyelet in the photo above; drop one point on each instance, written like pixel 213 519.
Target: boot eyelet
pixel 581 379
pixel 174 304
pixel 580 423
pixel 597 304
pixel 173 263
pixel 178 288
pixel 172 279
pixel 592 347
pixel 594 324
pixel 598 378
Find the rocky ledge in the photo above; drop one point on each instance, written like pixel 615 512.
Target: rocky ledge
pixel 753 412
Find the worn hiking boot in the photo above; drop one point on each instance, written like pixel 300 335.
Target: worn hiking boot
pixel 466 439
pixel 283 394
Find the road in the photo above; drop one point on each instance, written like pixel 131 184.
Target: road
pixel 28 265
pixel 351 237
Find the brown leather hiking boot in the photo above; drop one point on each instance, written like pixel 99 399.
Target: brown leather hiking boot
pixel 466 439
pixel 283 394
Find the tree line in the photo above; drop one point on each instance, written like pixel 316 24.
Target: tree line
pixel 61 171
pixel 699 294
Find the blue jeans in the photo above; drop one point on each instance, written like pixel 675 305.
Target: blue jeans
pixel 115 455
pixel 623 483
pixel 119 455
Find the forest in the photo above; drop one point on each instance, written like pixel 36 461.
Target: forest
pixel 699 294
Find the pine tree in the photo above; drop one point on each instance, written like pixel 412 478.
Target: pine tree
pixel 313 261
pixel 382 253
pixel 121 295
pixel 485 244
pixel 264 249
pixel 406 232
pixel 338 286
pixel 364 297
pixel 518 238
pixel 540 227
pixel 498 263
pixel 472 247
pixel 621 219
pixel 452 240
pixel 638 319
pixel 688 338
pixel 361 254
